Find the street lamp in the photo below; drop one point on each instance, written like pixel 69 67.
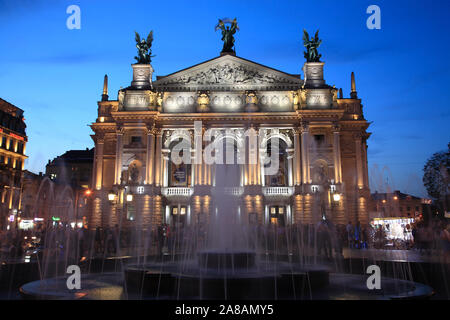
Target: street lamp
pixel 111 196
pixel 336 197
pixel 129 197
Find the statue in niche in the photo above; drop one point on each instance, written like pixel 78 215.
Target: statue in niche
pixel 227 34
pixel 134 173
pixel 311 45
pixel 320 174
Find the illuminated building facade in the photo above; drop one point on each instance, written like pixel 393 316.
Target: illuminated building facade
pixel 322 146
pixel 398 204
pixel 13 141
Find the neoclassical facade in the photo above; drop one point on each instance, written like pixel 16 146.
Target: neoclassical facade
pixel 321 136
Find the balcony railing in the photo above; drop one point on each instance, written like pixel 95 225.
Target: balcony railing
pixel 235 191
pixel 278 191
pixel 177 191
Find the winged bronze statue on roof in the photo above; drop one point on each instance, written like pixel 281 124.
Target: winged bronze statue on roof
pixel 227 34
pixel 311 45
pixel 144 47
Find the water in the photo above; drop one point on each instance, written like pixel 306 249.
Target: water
pixel 227 257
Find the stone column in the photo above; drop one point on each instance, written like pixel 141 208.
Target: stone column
pixel 365 164
pixel 337 155
pixel 165 170
pixel 290 171
pixel 94 170
pixel 99 164
pixel 199 131
pixel 297 158
pixel 253 157
pixel 149 157
pixel 119 151
pixel 305 154
pixel 359 161
pixel 258 159
pixel 158 158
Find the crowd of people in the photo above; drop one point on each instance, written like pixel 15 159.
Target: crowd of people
pixel 324 239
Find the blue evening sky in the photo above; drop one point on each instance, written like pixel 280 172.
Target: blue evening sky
pixel 402 71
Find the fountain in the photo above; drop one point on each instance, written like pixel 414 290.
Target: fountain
pixel 229 259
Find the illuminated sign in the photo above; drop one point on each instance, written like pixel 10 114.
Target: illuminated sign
pixel 56 218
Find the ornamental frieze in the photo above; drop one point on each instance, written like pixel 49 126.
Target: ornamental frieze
pixel 227 74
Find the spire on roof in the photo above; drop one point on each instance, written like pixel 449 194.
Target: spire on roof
pixel 105 88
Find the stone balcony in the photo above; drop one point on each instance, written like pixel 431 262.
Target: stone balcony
pixel 177 191
pixel 278 191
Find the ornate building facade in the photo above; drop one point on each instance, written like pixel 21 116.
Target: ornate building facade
pixel 13 141
pixel 322 136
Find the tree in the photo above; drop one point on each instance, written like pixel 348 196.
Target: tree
pixel 436 175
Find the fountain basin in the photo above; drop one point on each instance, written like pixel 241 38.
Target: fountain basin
pixel 226 260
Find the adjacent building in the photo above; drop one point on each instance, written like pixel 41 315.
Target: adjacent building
pixel 74 168
pixel 61 194
pixel 397 205
pixel 322 140
pixel 13 141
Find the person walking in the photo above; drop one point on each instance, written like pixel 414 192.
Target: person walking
pixel 350 235
pixel 445 243
pixel 357 235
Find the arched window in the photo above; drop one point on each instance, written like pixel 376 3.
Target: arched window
pixel 281 177
pixel 179 172
pixel 227 171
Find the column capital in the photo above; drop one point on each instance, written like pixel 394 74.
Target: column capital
pixel 304 126
pixel 151 129
pixel 100 137
pixel 120 129
pixel 336 127
pixel 158 131
pixel 358 136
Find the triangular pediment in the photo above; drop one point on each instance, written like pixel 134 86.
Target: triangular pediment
pixel 228 72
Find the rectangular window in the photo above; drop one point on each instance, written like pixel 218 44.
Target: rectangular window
pixel 4 142
pixel 178 215
pixel 319 138
pixel 277 215
pixel 20 147
pixel 130 212
pixel 135 139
